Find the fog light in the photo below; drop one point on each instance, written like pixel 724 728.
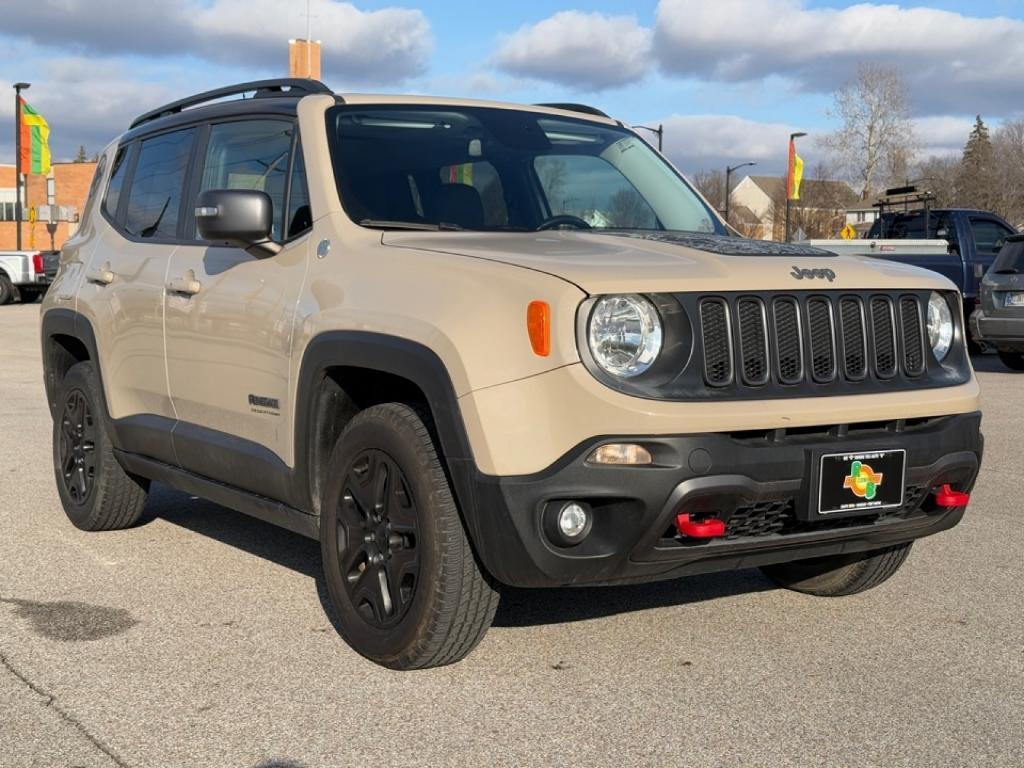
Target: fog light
pixel 620 453
pixel 573 521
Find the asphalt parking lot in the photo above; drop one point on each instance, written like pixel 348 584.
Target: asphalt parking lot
pixel 200 638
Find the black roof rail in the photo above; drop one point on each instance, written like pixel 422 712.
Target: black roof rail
pixel 284 86
pixel 587 110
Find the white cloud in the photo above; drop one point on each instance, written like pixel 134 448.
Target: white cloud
pixel 941 134
pixel 700 142
pixel 954 63
pixel 383 46
pixel 585 51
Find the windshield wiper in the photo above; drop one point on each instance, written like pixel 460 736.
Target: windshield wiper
pixel 417 225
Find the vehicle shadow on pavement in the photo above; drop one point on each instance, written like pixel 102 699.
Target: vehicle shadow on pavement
pixel 518 608
pixel 990 364
pixel 533 607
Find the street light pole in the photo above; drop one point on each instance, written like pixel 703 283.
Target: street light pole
pixel 659 131
pixel 18 88
pixel 728 173
pixel 789 177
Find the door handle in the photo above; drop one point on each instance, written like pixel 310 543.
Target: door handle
pixel 186 284
pixel 101 276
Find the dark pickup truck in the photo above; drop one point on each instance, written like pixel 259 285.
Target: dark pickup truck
pixel 973 237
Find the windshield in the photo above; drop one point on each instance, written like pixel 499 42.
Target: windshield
pixel 505 170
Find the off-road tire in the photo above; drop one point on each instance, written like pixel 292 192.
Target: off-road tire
pixel 97 494
pixel 453 599
pixel 1012 360
pixel 7 292
pixel 839 575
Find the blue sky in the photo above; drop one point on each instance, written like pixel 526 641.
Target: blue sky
pixel 729 78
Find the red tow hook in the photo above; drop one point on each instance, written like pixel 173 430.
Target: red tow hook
pixel 709 528
pixel 947 497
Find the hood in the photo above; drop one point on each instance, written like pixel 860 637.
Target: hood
pixel 664 263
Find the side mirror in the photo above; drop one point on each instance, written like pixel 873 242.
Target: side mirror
pixel 238 217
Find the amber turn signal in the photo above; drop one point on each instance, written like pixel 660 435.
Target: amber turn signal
pixel 538 325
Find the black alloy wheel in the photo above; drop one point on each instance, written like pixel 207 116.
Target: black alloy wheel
pixel 377 538
pixel 77 450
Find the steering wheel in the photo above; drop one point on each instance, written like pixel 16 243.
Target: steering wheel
pixel 563 220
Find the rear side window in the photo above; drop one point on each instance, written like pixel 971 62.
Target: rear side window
pixel 97 176
pixel 158 185
pixel 117 174
pixel 988 235
pixel 300 216
pixel 250 154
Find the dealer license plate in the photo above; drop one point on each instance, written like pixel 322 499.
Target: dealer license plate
pixel 855 482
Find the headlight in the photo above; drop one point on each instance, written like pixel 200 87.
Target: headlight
pixel 624 334
pixel 940 326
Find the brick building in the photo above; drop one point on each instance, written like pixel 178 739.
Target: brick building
pixel 66 186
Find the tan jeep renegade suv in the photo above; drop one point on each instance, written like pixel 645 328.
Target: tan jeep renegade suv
pixel 469 344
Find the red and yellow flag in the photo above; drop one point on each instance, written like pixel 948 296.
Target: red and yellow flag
pixel 795 174
pixel 35 141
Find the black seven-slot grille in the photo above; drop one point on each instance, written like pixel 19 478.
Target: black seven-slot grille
pixel 819 338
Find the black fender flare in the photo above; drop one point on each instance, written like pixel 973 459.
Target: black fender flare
pixel 61 321
pixel 399 357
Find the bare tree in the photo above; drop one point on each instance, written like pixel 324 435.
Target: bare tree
pixel 1008 171
pixel 711 184
pixel 876 139
pixel 938 174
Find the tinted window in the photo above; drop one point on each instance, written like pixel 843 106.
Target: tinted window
pixel 910 226
pixel 101 166
pixel 117 173
pixel 988 235
pixel 158 184
pixel 250 154
pixel 300 216
pixel 1011 257
pixel 592 189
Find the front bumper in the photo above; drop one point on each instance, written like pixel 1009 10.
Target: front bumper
pixel 1002 332
pixel 761 484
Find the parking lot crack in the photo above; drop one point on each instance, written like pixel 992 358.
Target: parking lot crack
pixel 50 701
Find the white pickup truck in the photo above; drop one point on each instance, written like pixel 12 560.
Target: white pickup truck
pixel 25 274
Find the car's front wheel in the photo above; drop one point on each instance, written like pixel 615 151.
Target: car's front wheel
pixel 401 574
pixel 1012 360
pixel 839 575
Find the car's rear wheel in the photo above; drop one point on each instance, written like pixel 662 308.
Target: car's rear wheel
pixel 839 575
pixel 7 292
pixel 1012 360
pixel 401 574
pixel 96 492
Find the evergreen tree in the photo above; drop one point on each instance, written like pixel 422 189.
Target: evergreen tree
pixel 81 156
pixel 977 174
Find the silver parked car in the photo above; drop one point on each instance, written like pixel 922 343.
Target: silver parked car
pixel 999 318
